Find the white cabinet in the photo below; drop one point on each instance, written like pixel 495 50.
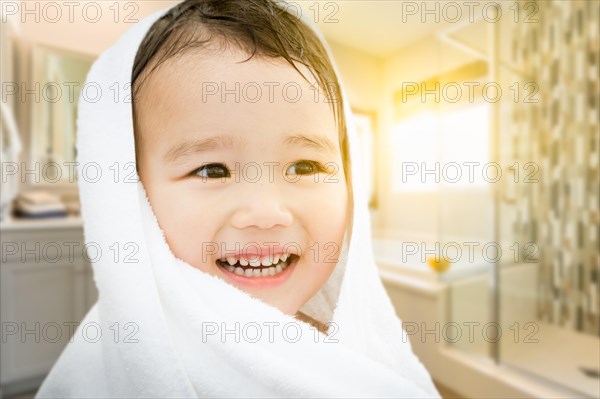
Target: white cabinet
pixel 46 288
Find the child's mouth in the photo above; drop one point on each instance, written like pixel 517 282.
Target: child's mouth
pixel 266 267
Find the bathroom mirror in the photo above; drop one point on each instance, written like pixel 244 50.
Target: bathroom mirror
pixel 57 76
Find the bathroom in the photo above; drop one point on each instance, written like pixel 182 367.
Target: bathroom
pixel 485 233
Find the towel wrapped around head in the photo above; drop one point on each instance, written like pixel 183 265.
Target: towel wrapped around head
pixel 164 328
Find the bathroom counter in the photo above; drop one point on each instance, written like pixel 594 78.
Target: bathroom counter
pixel 22 224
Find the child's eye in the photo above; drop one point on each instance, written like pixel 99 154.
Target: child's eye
pixel 305 168
pixel 212 171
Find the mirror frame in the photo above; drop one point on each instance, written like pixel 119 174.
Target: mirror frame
pixel 37 72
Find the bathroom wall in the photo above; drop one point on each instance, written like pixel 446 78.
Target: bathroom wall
pixel 362 76
pixel 99 35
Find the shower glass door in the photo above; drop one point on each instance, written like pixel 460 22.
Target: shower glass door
pixel 547 202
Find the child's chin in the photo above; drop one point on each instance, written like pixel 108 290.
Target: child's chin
pixel 286 305
pixel 281 296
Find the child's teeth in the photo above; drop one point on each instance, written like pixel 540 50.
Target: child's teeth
pixel 266 261
pixel 255 262
pixel 266 266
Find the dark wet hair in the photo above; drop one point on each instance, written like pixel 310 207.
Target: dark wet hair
pixel 264 28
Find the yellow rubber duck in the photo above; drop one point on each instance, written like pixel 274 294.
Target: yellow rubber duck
pixel 439 264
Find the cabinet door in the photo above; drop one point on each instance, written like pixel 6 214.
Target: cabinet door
pixel 39 301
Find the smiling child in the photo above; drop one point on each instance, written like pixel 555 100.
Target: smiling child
pixel 247 228
pixel 245 154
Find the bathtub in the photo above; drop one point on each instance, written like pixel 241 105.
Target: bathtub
pixel 408 257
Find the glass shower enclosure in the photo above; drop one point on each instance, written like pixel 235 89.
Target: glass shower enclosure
pixel 527 294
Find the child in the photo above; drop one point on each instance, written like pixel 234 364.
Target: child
pixel 252 273
pixel 252 116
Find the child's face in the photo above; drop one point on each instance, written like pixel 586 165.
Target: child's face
pixel 262 119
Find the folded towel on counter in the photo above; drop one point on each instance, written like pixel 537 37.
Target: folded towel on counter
pixel 164 312
pixel 39 197
pixel 39 204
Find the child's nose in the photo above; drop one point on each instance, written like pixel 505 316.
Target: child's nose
pixel 263 208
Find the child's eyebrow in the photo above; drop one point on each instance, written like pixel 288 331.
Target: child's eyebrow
pixel 319 143
pixel 195 146
pixel 192 147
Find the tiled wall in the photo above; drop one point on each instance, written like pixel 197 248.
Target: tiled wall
pixel 558 50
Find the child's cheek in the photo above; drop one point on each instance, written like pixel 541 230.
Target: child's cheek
pixel 189 222
pixel 325 220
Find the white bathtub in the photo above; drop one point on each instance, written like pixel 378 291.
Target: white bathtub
pixel 408 257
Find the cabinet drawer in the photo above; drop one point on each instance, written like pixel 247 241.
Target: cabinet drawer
pixel 40 304
pixel 42 246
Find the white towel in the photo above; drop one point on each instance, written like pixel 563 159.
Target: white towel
pixel 165 310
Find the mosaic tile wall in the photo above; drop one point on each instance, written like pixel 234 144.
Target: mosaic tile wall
pixel 561 134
